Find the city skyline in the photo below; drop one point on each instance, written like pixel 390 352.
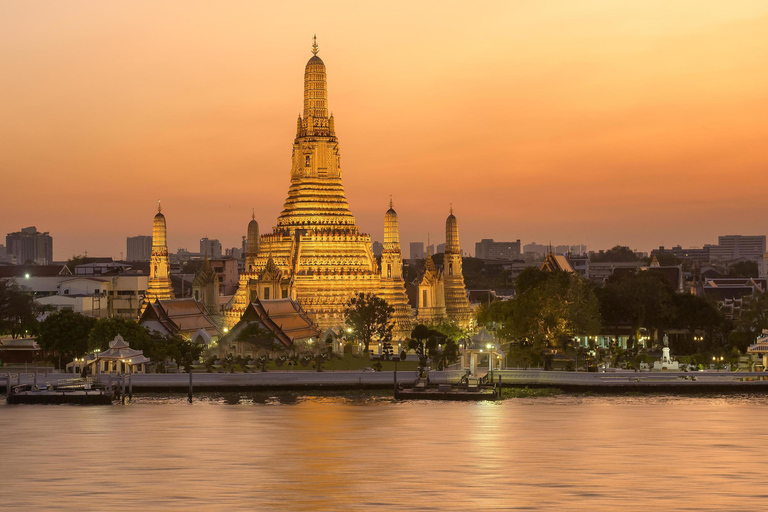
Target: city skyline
pixel 635 129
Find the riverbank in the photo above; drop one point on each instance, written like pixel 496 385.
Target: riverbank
pixel 611 382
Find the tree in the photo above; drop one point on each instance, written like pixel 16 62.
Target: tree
pixel 554 307
pixel 753 320
pixel 185 353
pixel 263 342
pixel 106 329
pixel 498 316
pixel 642 299
pixel 64 334
pixel 369 317
pixel 619 253
pixel 192 267
pixel 744 269
pixel 18 310
pixel 693 314
pixel 78 260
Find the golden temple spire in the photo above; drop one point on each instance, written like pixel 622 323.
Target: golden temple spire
pixel 159 206
pixel 253 213
pixel 315 48
pixel 452 234
pixel 391 229
pixel 315 89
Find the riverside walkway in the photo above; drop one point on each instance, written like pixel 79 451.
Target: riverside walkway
pixel 610 382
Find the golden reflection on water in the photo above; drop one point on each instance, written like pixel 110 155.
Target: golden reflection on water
pixel 337 453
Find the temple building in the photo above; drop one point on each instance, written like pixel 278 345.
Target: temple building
pixel 206 288
pixel 457 308
pixel 392 283
pixel 187 318
pixel 285 321
pixel 316 255
pixel 431 308
pixel 159 286
pixel 442 292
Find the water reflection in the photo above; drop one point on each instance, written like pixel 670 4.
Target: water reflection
pixel 298 451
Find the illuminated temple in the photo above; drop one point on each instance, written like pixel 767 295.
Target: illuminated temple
pixel 316 254
pixel 159 285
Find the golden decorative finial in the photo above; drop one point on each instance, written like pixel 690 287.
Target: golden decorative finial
pixel 159 207
pixel 451 208
pixel 253 214
pixel 315 48
pixel 391 206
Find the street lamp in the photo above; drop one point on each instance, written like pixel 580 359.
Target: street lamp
pixel 490 360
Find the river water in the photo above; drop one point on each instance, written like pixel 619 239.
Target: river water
pixel 302 452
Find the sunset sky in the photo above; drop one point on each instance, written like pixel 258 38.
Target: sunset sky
pixel 600 122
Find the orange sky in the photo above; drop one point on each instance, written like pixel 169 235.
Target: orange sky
pixel 596 122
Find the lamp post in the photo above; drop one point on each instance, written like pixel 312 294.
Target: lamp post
pixel 490 360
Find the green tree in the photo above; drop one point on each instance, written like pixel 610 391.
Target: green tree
pixel 744 269
pixel 619 253
pixel 369 317
pixel 64 335
pixel 18 310
pixel 642 299
pixel 192 267
pixel 753 320
pixel 136 336
pixel 78 260
pixel 263 342
pixel 553 307
pixel 693 314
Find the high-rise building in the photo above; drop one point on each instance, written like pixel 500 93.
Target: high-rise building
pixel 440 249
pixel 234 252
pixel 139 248
pixel 378 248
pixel 417 251
pixel 487 249
pixel 30 246
pixel 210 246
pixel 734 247
pixel 316 253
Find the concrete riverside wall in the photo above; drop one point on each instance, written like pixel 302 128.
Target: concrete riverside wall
pixel 569 381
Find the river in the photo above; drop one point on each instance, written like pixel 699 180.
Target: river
pixel 297 452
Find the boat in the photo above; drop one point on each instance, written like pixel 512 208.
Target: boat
pixel 468 388
pixel 69 391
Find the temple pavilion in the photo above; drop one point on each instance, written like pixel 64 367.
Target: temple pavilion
pixel 118 358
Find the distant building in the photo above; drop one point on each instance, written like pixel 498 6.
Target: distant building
pixel 211 246
pixel 734 247
pixel 694 254
pixel 227 271
pixel 234 252
pixel 487 249
pixel 417 251
pixel 5 257
pixel 103 296
pixel 440 248
pixel 30 246
pixel 378 248
pixel 536 251
pixel 599 272
pixel 139 248
pixel 729 292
